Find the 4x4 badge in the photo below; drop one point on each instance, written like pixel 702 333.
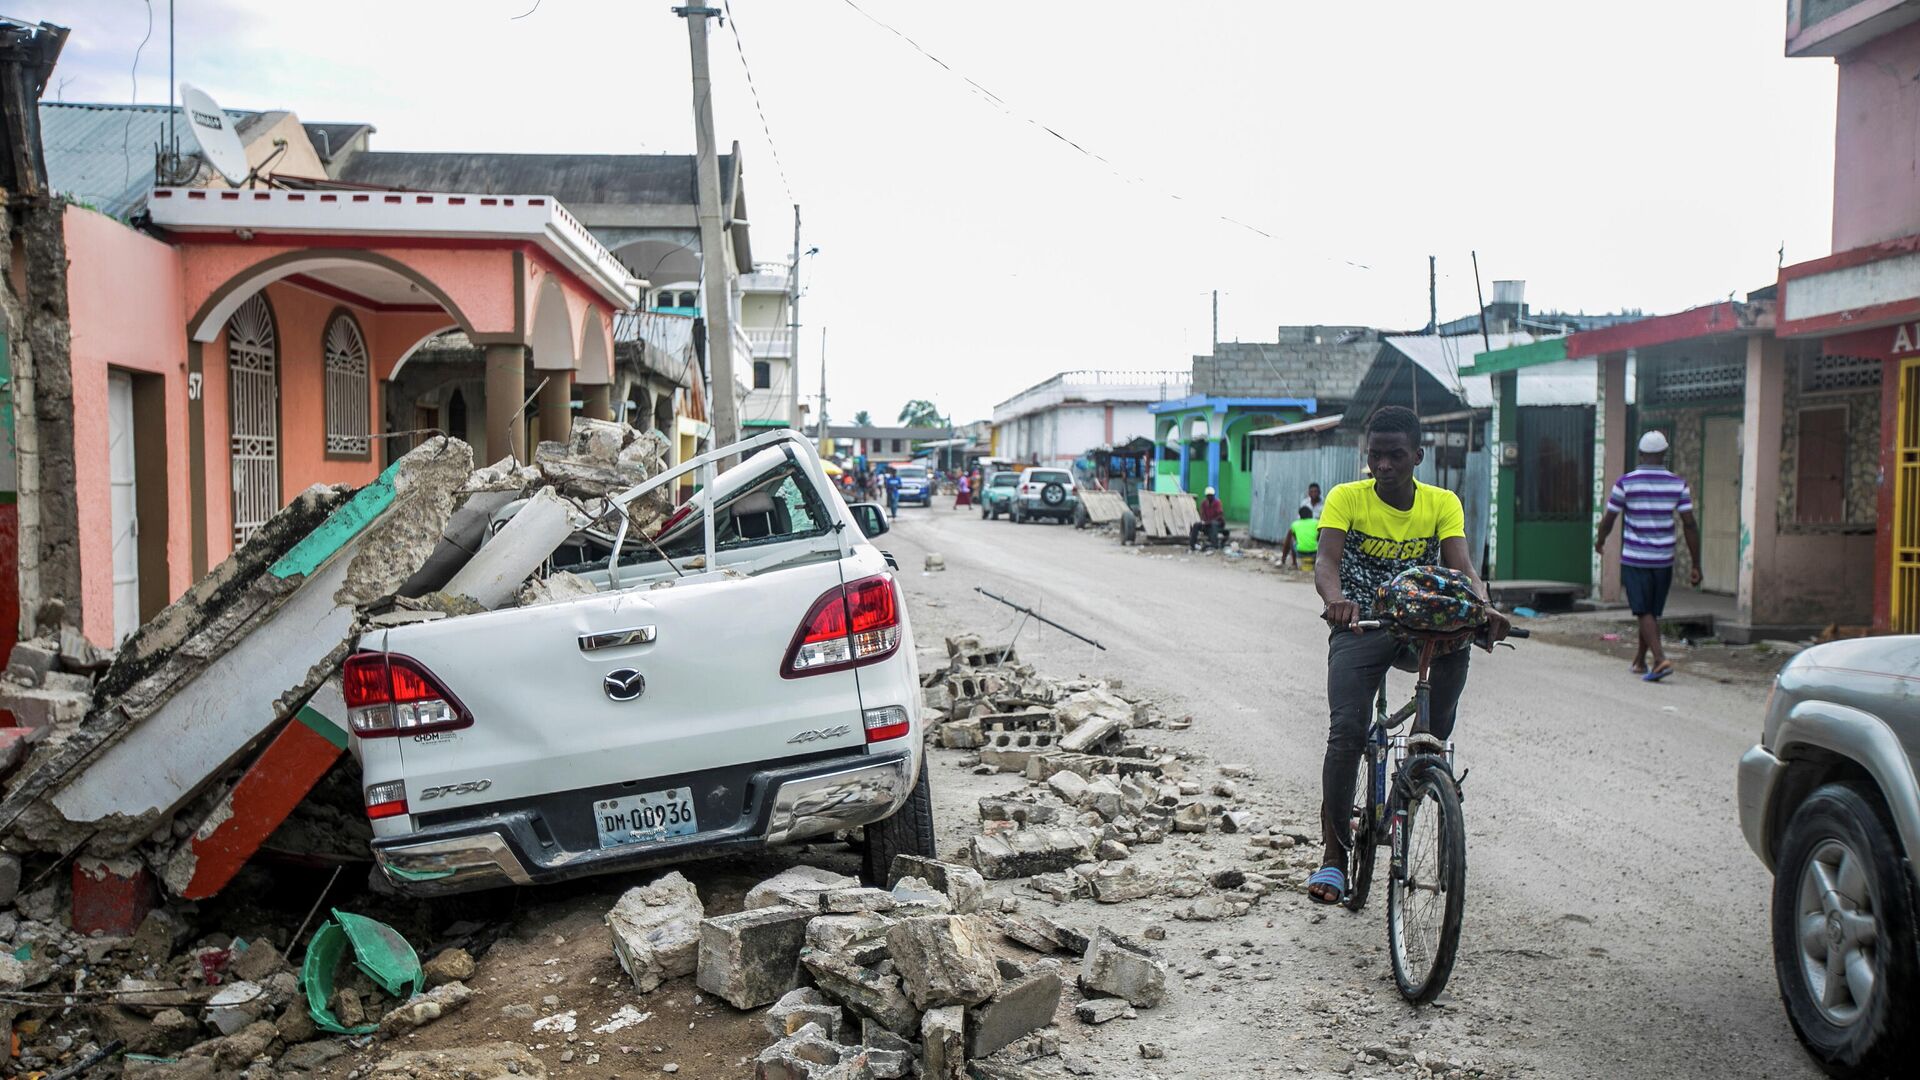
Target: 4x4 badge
pixel 626 684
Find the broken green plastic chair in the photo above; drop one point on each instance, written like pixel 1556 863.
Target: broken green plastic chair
pixel 378 950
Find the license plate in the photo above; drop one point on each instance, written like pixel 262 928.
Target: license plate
pixel 656 815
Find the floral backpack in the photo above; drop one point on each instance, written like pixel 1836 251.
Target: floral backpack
pixel 1433 599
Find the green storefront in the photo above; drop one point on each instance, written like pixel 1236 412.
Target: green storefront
pixel 1542 482
pixel 1203 442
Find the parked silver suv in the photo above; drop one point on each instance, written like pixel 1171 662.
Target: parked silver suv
pixel 1829 802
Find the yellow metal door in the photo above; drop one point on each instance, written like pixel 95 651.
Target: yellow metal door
pixel 1906 502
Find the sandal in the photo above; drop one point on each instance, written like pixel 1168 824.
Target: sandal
pixel 1665 669
pixel 1331 876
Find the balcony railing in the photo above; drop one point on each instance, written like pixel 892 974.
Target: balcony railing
pixel 770 341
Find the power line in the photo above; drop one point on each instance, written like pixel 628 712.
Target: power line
pixel 733 24
pixel 1001 103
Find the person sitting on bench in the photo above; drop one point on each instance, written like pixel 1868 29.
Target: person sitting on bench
pixel 1212 524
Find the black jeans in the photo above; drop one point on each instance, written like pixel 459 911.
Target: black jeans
pixel 1214 531
pixel 1355 665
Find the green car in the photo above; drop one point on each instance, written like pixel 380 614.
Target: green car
pixel 996 495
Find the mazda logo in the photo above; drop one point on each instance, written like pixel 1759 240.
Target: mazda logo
pixel 625 684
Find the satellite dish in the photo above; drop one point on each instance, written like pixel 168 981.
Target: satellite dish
pixel 213 129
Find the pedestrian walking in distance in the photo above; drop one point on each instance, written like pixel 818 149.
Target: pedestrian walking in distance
pixel 963 492
pixel 1647 500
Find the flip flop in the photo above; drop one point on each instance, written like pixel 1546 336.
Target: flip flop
pixel 1665 669
pixel 1328 875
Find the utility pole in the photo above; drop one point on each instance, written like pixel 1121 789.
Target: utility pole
pixel 823 392
pixel 1214 348
pixel 1485 341
pixel 793 327
pixel 718 310
pixel 1433 296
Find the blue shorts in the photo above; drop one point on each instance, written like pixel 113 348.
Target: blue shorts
pixel 1646 588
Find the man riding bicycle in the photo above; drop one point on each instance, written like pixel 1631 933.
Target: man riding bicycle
pixel 1371 530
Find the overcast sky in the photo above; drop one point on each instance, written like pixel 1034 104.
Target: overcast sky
pixel 1641 153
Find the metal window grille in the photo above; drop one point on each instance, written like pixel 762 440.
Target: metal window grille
pixel 1906 503
pixel 1695 381
pixel 1556 463
pixel 348 427
pixel 253 415
pixel 1838 374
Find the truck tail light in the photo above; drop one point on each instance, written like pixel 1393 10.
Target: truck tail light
pixel 389 694
pixel 386 800
pixel 885 723
pixel 849 626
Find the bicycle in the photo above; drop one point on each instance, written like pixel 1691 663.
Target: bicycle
pixel 1416 815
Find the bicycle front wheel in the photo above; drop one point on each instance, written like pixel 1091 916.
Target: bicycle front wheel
pixel 1426 890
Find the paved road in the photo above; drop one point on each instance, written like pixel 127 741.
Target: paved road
pixel 1617 922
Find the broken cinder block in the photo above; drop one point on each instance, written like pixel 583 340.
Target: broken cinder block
pixel 943 960
pixel 752 957
pixel 656 931
pixel 1116 967
pixel 1026 1002
pixel 1025 852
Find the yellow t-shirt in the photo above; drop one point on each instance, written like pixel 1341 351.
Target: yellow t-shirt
pixel 1382 541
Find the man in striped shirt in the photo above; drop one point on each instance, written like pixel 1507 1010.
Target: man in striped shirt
pixel 1649 498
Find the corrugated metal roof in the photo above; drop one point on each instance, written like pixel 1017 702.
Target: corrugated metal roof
pixel 103 154
pixel 574 179
pixel 1567 382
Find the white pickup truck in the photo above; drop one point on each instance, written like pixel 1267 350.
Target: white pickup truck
pixel 743 677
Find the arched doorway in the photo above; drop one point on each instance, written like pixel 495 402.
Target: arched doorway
pixel 253 414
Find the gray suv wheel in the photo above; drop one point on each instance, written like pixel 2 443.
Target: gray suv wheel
pixel 1843 934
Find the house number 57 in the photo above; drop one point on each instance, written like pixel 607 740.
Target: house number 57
pixel 193 386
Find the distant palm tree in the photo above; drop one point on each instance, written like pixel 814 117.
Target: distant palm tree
pixel 863 418
pixel 921 413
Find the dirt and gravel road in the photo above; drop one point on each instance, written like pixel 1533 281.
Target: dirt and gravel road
pixel 1616 923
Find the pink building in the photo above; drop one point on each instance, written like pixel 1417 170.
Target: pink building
pixel 239 356
pixel 1863 301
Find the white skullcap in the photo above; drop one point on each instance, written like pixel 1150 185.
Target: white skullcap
pixel 1653 443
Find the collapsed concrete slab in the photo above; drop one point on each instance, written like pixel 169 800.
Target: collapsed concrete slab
pixel 494 576
pixel 242 818
pixel 233 658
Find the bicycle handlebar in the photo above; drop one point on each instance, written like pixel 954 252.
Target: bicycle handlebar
pixel 1376 624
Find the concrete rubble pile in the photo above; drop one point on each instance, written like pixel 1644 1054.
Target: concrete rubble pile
pixel 1096 793
pixel 175 757
pixel 916 979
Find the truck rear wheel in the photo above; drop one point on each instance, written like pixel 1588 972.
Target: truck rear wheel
pixel 908 832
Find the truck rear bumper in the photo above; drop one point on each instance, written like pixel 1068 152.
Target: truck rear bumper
pixel 802 801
